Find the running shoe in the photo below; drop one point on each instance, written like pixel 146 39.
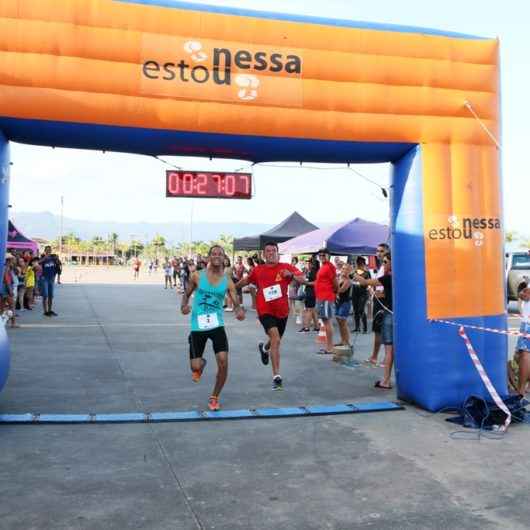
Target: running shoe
pixel 53 314
pixel 213 403
pixel 303 330
pixel 264 353
pixel 277 383
pixel 197 374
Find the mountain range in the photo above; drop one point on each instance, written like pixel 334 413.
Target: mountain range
pixel 46 225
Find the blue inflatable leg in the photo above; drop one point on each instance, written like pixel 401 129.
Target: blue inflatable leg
pixel 4 200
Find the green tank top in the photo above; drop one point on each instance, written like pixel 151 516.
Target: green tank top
pixel 207 309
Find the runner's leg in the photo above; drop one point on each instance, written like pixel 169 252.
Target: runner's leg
pixel 222 373
pixel 273 345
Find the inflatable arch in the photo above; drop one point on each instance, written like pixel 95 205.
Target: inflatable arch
pixel 163 77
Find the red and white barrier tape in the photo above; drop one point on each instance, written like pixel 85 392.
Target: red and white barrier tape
pixel 480 328
pixel 485 379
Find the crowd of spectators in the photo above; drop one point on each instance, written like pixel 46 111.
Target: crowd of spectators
pixel 28 279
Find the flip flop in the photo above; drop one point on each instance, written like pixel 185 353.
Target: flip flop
pixel 382 387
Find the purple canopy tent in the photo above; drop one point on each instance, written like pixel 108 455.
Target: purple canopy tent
pixel 353 237
pixel 16 240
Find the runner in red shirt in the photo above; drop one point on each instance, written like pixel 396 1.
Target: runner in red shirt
pixel 272 304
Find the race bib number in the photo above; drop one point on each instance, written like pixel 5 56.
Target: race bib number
pixel 208 321
pixel 272 293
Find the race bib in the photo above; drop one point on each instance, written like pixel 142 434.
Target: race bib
pixel 272 293
pixel 208 321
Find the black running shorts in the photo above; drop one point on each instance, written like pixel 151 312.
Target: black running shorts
pixel 198 340
pixel 270 321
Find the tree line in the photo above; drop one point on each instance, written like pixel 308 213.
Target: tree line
pixel 157 247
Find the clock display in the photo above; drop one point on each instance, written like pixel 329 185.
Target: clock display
pixel 208 184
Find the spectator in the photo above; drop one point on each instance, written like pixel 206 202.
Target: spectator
pixel 30 284
pixel 377 308
pixel 136 267
pixel 59 265
pixel 251 264
pixel 49 271
pixel 326 286
pixel 523 342
pixel 229 273
pixel 360 297
pixel 310 314
pixel 6 300
pixel 237 275
pixel 168 272
pixel 293 294
pixel 343 305
pixel 387 339
pixel 21 273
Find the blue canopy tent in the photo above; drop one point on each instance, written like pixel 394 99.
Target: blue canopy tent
pixel 353 237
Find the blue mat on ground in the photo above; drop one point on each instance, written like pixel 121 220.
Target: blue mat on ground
pixel 187 416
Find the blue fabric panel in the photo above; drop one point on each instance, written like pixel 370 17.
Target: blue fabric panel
pixel 16 418
pixel 175 4
pixel 191 415
pixel 64 418
pixel 433 368
pixel 377 407
pixel 133 417
pixel 228 414
pixel 4 201
pixel 330 409
pixel 274 413
pixel 140 417
pixel 182 143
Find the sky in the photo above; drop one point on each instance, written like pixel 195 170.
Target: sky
pixel 124 188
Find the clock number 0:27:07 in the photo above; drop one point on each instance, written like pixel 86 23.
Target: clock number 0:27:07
pixel 197 183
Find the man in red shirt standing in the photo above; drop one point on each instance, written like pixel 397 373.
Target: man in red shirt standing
pixel 326 287
pixel 272 304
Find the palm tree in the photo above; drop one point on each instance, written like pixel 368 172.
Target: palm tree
pixel 113 238
pixel 159 242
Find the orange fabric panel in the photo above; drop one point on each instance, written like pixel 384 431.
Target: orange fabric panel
pixel 463 233
pixel 171 114
pixel 156 19
pixel 354 84
pixel 70 73
pixel 123 46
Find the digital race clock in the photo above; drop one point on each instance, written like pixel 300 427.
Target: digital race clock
pixel 208 184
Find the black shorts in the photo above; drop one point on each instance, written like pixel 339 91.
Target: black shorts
pixel 270 321
pixel 198 340
pixel 377 323
pixel 310 302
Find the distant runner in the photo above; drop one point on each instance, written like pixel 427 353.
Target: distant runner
pixel 207 320
pixel 272 304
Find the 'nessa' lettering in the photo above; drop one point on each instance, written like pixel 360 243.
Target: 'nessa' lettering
pixel 223 62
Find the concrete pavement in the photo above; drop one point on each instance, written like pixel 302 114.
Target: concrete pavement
pixel 121 347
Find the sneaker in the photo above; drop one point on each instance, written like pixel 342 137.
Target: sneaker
pixel 316 330
pixel 213 403
pixel 53 314
pixel 277 383
pixel 197 374
pixel 303 330
pixel 264 353
pixel 47 314
pixel 298 321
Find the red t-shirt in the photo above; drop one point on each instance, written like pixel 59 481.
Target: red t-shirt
pixel 270 301
pixel 324 282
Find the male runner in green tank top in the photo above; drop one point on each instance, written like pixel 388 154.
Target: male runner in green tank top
pixel 207 318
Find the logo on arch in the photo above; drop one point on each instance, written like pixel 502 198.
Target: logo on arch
pixel 471 228
pixel 210 70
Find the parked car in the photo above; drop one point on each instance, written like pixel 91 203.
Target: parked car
pixel 517 271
